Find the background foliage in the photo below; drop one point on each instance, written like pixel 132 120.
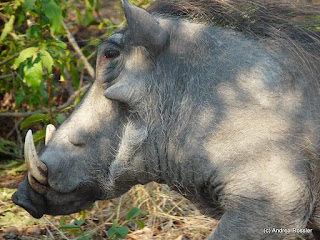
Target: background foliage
pixel 45 67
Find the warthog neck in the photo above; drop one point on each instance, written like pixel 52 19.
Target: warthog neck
pixel 186 169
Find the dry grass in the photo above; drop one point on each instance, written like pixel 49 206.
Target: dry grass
pixel 169 216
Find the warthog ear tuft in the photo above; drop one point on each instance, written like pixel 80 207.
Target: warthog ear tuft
pixel 144 29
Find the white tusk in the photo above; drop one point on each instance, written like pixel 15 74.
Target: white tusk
pixel 49 132
pixel 39 188
pixel 37 168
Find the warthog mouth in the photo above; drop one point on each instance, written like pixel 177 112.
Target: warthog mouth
pixel 53 203
pixel 38 197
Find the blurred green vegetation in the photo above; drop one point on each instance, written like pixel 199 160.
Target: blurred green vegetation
pixel 41 75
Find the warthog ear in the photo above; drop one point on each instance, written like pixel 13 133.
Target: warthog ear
pixel 145 30
pixel 124 91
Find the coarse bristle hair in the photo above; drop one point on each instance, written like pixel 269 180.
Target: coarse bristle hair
pixel 295 26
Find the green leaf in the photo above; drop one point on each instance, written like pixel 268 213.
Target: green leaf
pixel 83 214
pixel 61 119
pixel 47 60
pixel 19 97
pixel 24 54
pixel 8 147
pixel 39 136
pixel 8 27
pixel 74 231
pixel 44 93
pixel 122 231
pixel 133 213
pixel 63 220
pixel 79 15
pixel 87 237
pixel 89 18
pixel 28 4
pixel 111 232
pixel 33 32
pixel 18 3
pixel 69 227
pixel 89 4
pixel 78 222
pixel 54 13
pixel 33 75
pixel 114 223
pixel 140 223
pixel 58 43
pixel 118 231
pixel 21 20
pixel 33 120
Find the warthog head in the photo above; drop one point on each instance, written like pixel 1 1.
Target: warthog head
pixel 86 159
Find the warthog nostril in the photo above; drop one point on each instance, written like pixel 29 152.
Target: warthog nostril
pixel 78 137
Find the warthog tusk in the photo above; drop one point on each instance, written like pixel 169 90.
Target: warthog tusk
pixel 49 132
pixel 42 189
pixel 37 168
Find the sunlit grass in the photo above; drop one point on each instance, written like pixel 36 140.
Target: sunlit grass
pixel 169 216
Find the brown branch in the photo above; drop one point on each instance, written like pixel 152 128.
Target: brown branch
pixel 13 129
pixel 6 76
pixel 57 109
pixel 16 156
pixel 19 138
pixel 78 51
pixel 49 98
pixel 71 98
pixel 20 114
pixel 9 58
pixel 15 55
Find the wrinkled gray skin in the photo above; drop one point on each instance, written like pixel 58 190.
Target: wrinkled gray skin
pixel 227 121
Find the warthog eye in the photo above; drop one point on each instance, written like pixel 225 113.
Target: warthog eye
pixel 111 53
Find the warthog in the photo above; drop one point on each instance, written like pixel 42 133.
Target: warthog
pixel 228 114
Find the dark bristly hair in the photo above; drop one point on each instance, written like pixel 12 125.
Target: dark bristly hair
pixel 294 25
